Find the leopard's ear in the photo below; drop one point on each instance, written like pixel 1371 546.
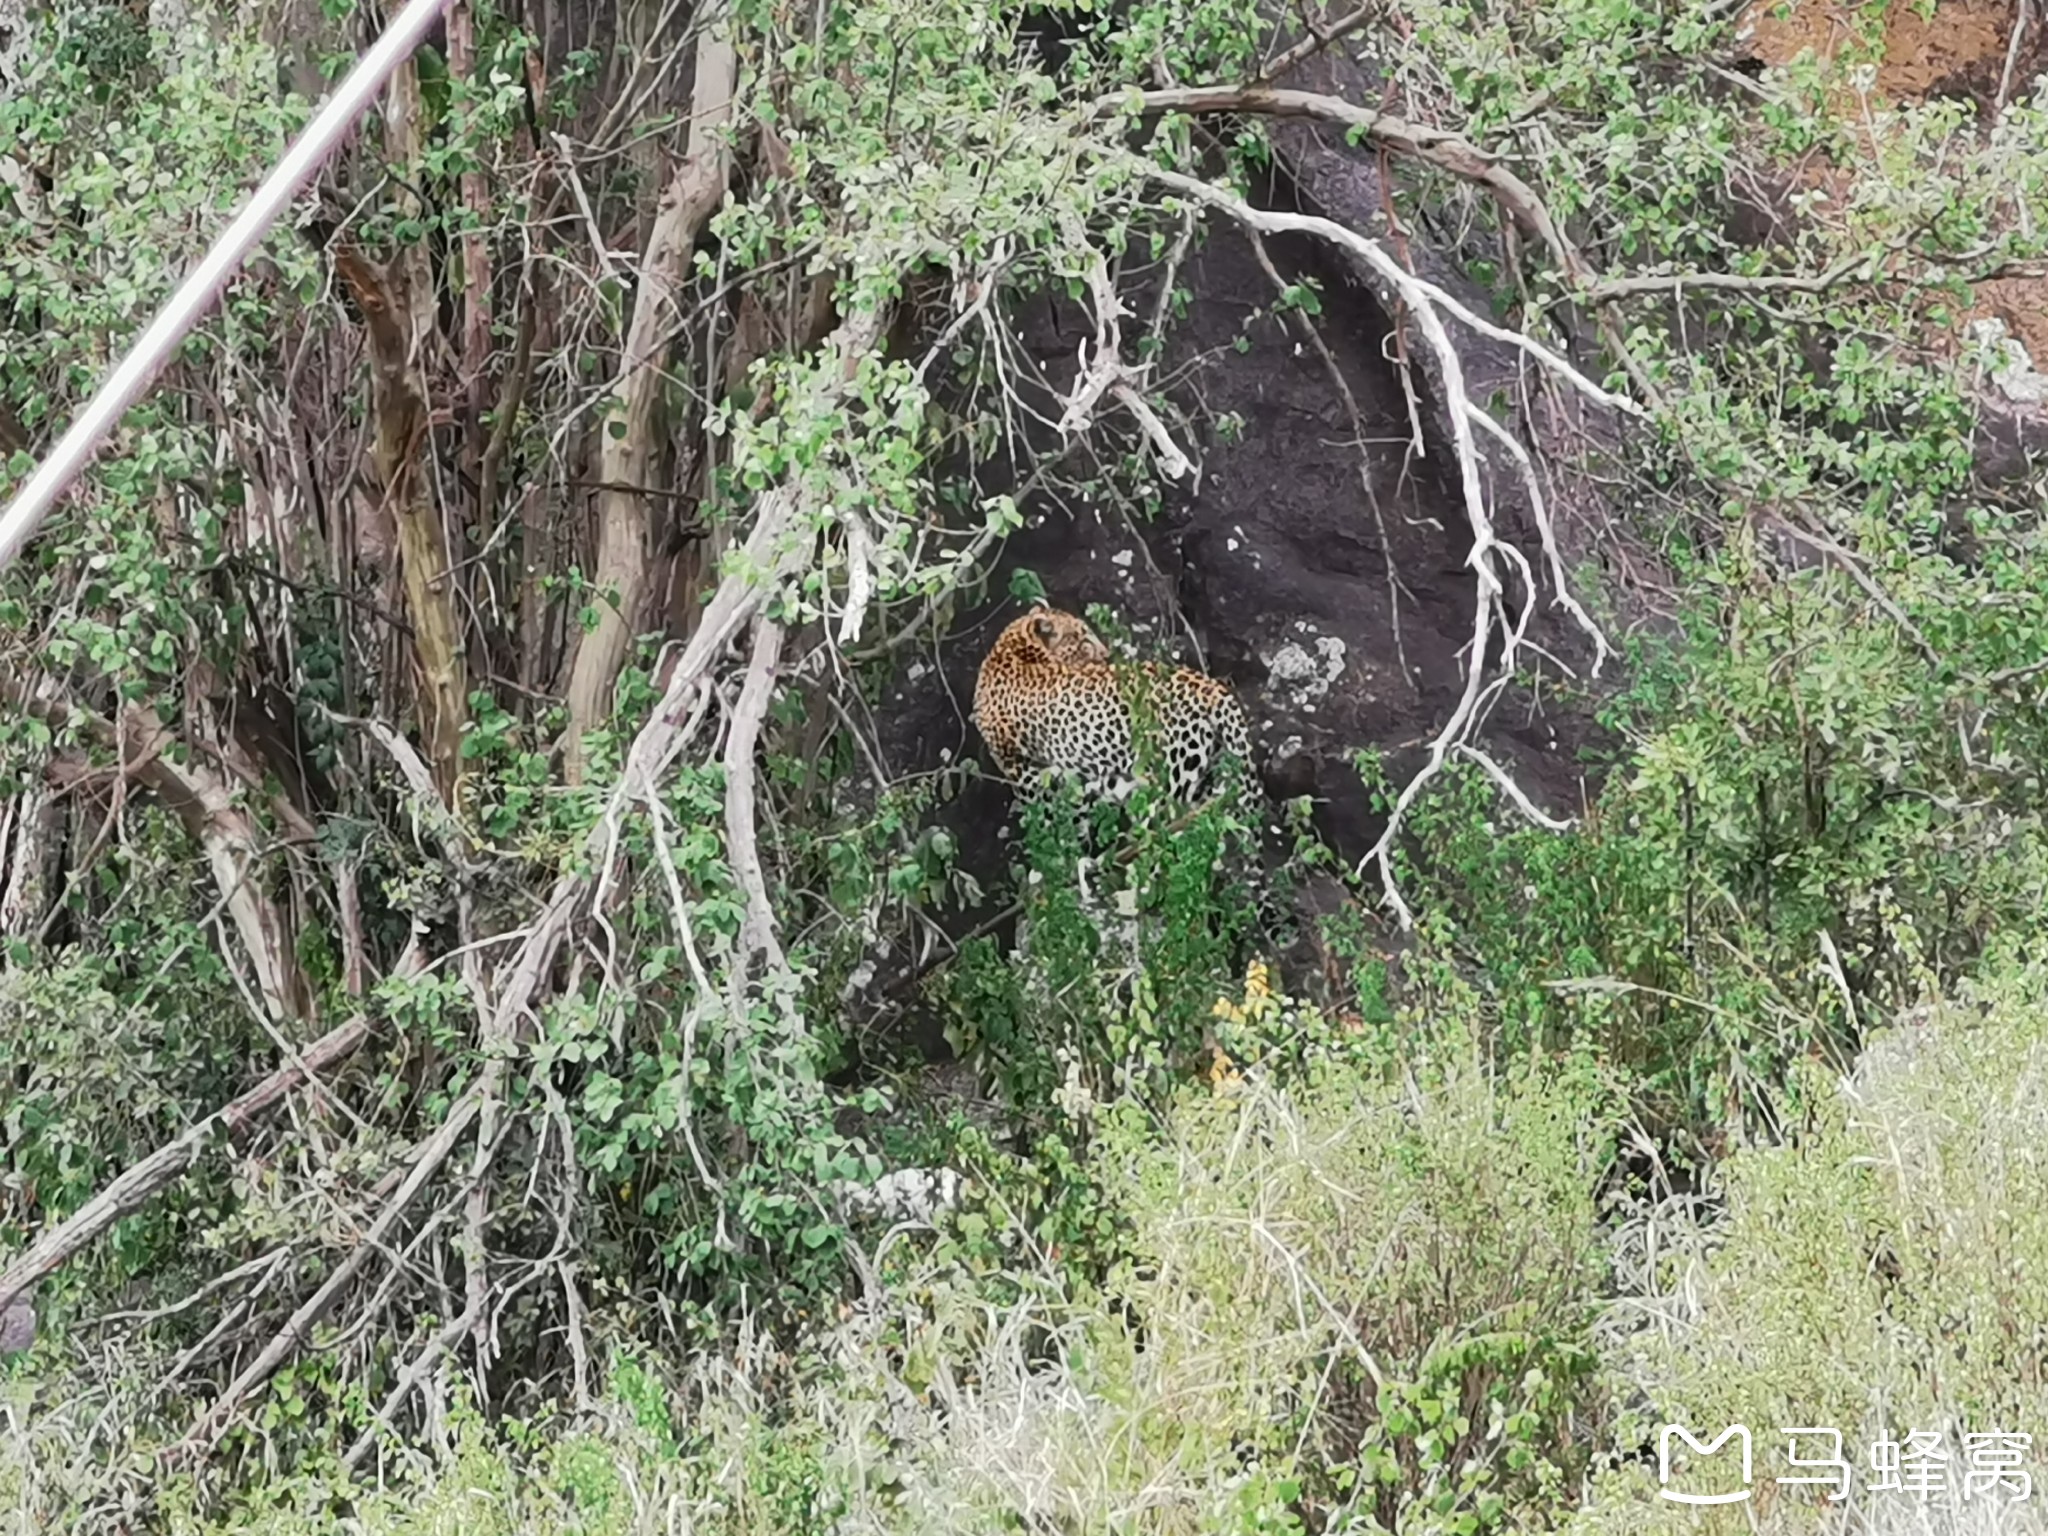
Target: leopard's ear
pixel 1043 625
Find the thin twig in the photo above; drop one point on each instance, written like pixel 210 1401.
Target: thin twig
pixel 1319 40
pixel 1676 283
pixel 2021 15
pixel 1868 583
pixel 1309 329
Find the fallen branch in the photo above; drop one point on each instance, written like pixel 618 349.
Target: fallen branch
pixel 200 1440
pixel 163 1167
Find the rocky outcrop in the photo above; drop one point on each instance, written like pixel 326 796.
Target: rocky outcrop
pixel 1323 576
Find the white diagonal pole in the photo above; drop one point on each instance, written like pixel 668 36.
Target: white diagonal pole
pixel 125 385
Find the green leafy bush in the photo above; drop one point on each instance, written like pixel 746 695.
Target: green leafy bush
pixel 1812 816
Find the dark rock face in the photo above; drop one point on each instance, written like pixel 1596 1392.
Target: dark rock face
pixel 1273 572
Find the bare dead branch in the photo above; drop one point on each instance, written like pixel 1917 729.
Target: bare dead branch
pixel 1828 548
pixel 2022 13
pixel 1425 303
pixel 1106 373
pixel 515 991
pixel 757 930
pixel 286 1342
pixel 1433 146
pixel 769 553
pixel 1507 785
pixel 411 1377
pixel 1172 462
pixel 424 795
pixel 1448 152
pixel 1539 509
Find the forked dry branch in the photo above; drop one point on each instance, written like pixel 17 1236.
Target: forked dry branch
pixel 1428 305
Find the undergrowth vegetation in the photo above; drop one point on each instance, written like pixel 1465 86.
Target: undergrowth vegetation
pixel 483 701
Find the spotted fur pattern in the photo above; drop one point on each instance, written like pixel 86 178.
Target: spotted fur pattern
pixel 1050 697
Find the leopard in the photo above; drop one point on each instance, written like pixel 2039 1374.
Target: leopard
pixel 1049 696
pixel 1050 700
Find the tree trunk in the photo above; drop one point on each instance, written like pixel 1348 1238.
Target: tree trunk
pixel 631 438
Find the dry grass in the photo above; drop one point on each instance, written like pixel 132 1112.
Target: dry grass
pixel 1885 1271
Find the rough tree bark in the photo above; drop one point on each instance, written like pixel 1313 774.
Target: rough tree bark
pixel 476 266
pixel 397 302
pixel 31 858
pixel 630 437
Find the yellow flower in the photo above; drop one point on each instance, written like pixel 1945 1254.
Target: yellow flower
pixel 1222 1070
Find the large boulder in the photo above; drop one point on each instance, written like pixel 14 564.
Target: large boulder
pixel 1324 576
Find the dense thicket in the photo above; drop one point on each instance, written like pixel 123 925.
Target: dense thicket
pixel 470 983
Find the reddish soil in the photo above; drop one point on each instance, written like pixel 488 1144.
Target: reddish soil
pixel 1958 52
pixel 2022 303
